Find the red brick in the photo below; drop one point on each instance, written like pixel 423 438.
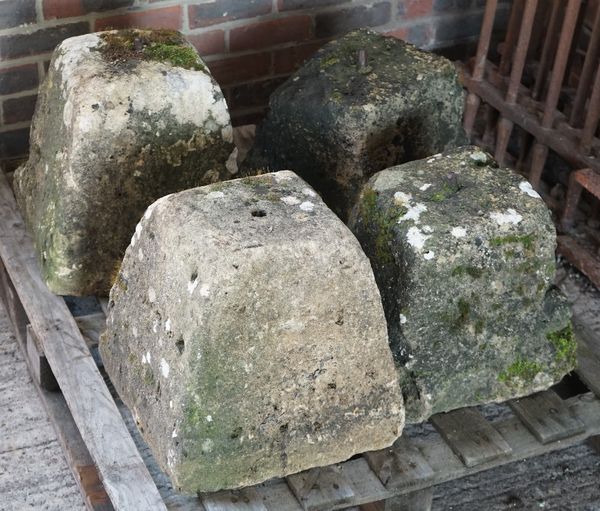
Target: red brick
pixel 241 69
pixel 288 60
pixel 18 109
pixel 270 33
pixel 418 8
pixel 329 24
pixel 166 17
pixel 399 33
pixel 16 12
pixel 220 11
pixel 14 144
pixel 289 5
pixel 209 43
pixel 18 78
pixel 62 9
pixel 40 41
pixel 243 118
pixel 255 94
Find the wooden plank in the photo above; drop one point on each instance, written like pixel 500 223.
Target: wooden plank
pixel 277 495
pixel 400 466
pixel 416 501
pixel 473 439
pixel 123 472
pixel 546 416
pixel 40 369
pixel 321 488
pixel 13 306
pixel 246 499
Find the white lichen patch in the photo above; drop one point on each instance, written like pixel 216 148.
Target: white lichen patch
pixel 307 206
pixel 174 434
pixel 134 331
pixel 458 232
pixel 164 367
pixel 168 325
pixel 283 175
pixel 140 255
pixel 192 286
pixel 525 187
pixel 414 213
pixel 207 445
pixel 155 326
pixel 402 199
pixel 416 238
pixel 510 217
pixel 479 157
pixel 215 195
pixel 209 418
pixel 429 255
pixel 151 295
pixel 205 290
pixel 425 187
pixel 427 229
pixel 290 200
pixel 308 192
pixel 402 319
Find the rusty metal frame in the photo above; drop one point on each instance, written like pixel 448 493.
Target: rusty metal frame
pixel 538 106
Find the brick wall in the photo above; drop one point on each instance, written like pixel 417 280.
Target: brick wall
pixel 250 46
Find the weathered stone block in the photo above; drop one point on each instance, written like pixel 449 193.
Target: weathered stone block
pixel 463 253
pixel 246 333
pixel 337 123
pixel 122 119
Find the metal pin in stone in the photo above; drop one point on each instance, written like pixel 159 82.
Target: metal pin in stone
pixel 363 68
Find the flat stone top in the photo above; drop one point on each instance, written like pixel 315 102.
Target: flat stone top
pixel 122 83
pixel 460 189
pixel 393 67
pixel 262 207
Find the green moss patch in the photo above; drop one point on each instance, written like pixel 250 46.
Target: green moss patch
pixel 381 221
pixel 521 369
pixel 471 271
pixel 156 45
pixel 565 345
pixel 526 240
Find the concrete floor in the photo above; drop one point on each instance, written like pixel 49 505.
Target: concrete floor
pixel 35 476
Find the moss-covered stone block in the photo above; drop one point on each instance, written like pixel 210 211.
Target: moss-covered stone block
pixel 123 118
pixel 465 274
pixel 336 123
pixel 247 336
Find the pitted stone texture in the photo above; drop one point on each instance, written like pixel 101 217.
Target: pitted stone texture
pixel 108 139
pixel 246 333
pixel 463 253
pixel 336 124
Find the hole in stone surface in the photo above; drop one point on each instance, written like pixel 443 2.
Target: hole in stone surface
pixel 258 213
pixel 194 276
pixel 180 345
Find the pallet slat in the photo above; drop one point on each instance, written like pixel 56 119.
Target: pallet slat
pixel 546 416
pixel 473 439
pixel 321 488
pixel 246 499
pixel 123 472
pixel 400 466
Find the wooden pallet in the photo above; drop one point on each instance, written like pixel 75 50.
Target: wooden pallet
pixel 115 470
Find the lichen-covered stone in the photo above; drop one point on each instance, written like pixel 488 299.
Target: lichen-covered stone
pixel 463 253
pixel 123 118
pixel 336 124
pixel 246 333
